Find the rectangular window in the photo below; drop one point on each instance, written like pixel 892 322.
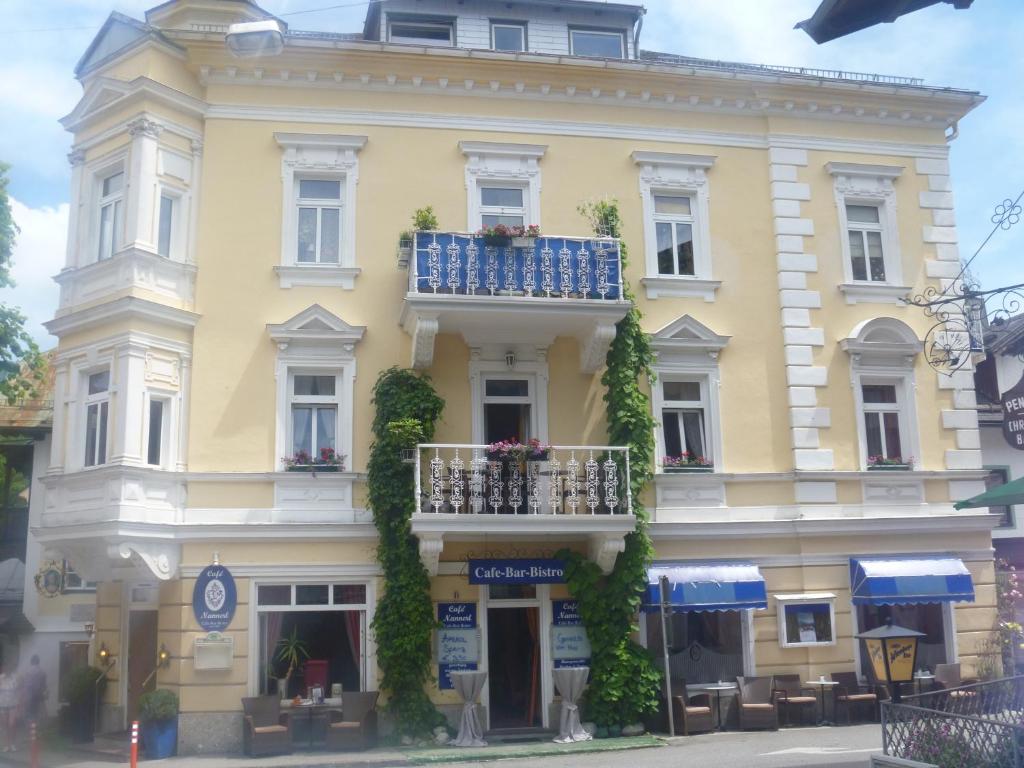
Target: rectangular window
pixel 165 233
pixel 673 226
pixel 807 619
pixel 593 42
pixel 422 32
pixel 314 413
pixel 320 204
pixel 684 419
pixel 928 618
pixel 703 646
pixel 75 583
pixel 111 207
pixel 864 230
pixel 882 429
pixel 508 404
pixel 508 37
pixel 502 205
pixel 155 438
pixel 97 407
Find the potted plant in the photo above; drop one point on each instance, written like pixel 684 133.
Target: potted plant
pixel 525 237
pixel 685 463
pixel 326 461
pixel 498 235
pixel 158 716
pixel 883 463
pixel 423 220
pixel 513 450
pixel 290 651
pixel 85 686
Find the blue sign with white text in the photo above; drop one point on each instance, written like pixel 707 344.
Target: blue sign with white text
pixel 455 647
pixel 457 615
pixel 525 571
pixel 565 613
pixel 214 598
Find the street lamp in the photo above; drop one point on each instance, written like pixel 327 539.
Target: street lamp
pixel 893 654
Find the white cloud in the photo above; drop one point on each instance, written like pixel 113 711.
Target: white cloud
pixel 38 256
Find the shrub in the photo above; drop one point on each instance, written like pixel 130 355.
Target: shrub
pixel 158 705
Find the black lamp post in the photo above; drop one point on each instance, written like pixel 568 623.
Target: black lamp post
pixel 893 654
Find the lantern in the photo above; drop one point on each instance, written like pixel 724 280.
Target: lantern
pixel 893 654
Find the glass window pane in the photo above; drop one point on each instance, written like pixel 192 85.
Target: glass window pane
pixel 879 393
pixel 115 234
pixel 107 224
pixel 864 214
pixel 330 234
pixel 672 204
pixel 156 417
pixel 274 594
pixel 349 594
pixel 666 259
pixel 91 418
pixel 101 442
pixel 307 235
pixel 607 45
pixel 319 189
pixel 502 197
pixel 508 388
pixel 311 594
pixel 875 256
pixel 857 261
pixel 113 184
pixel 413 33
pixel 314 385
pixel 681 390
pixel 163 246
pixel 693 431
pixel 891 423
pixel 512 591
pixel 99 382
pixel 508 38
pixel 873 434
pixel 489 220
pixel 684 248
pixel 670 428
pixel 326 423
pixel 808 623
pixel 302 429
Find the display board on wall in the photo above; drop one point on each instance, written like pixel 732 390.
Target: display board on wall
pixel 214 598
pixel 570 646
pixel 458 641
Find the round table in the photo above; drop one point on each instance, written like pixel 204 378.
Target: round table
pixel 468 684
pixel 822 685
pixel 718 688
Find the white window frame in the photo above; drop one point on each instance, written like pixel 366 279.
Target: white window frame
pixel 168 443
pixel 673 220
pixel 880 409
pixel 97 400
pixel 493 164
pixel 905 389
pixel 520 25
pixel 677 175
pixel 703 380
pixel 869 185
pixel 807 598
pixel 535 372
pixel 501 210
pixel 863 228
pixel 316 402
pixel 529 399
pixel 179 227
pixel 620 34
pixel 329 158
pixel 118 230
pixel 319 204
pixel 429 22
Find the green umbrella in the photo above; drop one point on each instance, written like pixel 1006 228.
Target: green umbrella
pixel 1000 496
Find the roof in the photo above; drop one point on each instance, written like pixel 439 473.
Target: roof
pixel 118 33
pixel 836 18
pixel 1007 338
pixel 32 415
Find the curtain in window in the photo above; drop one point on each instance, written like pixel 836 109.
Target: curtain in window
pixel 325 428
pixel 302 429
pixel 353 627
pixel 693 430
pixel 272 623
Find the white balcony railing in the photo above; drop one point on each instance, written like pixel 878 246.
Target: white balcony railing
pixel 569 480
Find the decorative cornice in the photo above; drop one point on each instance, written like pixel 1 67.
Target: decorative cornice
pixel 145 126
pixel 76 157
pixel 672 159
pixel 864 170
pixel 502 149
pixel 319 141
pixel 128 307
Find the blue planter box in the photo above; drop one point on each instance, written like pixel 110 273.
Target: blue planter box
pixel 159 738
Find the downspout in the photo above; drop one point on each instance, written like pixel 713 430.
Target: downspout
pixel 636 33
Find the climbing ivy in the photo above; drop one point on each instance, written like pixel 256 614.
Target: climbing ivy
pixel 407 410
pixel 625 683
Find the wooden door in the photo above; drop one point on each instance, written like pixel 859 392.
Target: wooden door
pixel 141 658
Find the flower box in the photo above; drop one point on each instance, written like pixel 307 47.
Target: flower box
pixel 890 467
pixel 314 468
pixel 497 241
pixel 690 470
pixel 404 252
pixel 524 242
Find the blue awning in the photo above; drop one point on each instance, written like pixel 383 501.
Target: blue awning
pixel 901 580
pixel 707 586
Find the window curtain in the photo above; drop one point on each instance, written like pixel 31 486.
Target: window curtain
pixel 353 625
pixel 272 624
pixel 531 705
pixel 693 428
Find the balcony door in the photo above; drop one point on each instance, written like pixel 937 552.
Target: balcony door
pixel 508 408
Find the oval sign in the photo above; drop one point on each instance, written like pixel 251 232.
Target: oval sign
pixel 214 598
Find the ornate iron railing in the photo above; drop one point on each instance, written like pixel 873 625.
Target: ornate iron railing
pixel 980 725
pixel 568 480
pixel 545 267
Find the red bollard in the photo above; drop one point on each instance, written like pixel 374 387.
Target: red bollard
pixel 135 743
pixel 33 745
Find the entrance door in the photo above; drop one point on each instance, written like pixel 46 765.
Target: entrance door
pixel 513 661
pixel 141 658
pixel 508 409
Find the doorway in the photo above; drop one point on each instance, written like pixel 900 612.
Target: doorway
pixel 513 661
pixel 508 409
pixel 142 626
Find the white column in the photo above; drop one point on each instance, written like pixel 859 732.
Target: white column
pixel 181 442
pixel 141 190
pixel 125 429
pixel 77 227
pixel 61 414
pixel 191 256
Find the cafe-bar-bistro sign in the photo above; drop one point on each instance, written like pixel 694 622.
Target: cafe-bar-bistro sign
pixel 546 570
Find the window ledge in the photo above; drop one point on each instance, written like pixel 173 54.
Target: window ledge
pixel 317 275
pixel 872 293
pixel 684 287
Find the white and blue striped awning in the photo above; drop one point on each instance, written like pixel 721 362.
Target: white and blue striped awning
pixel 903 580
pixel 707 586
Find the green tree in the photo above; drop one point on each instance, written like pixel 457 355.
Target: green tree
pixel 22 367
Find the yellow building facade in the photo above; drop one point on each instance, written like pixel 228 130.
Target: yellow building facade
pixel 232 293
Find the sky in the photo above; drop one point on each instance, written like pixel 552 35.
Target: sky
pixel 978 49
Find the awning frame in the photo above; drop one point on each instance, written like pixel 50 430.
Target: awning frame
pixel 707 586
pixel 909 580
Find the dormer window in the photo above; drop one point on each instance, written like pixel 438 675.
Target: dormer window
pixel 508 36
pixel 421 32
pixel 604 44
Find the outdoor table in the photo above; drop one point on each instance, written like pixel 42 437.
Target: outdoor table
pixel 468 684
pixel 718 688
pixel 822 685
pixel 570 682
pixel 309 709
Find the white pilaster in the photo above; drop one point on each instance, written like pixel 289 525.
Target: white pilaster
pixel 75 210
pixel 129 404
pixel 142 190
pixel 61 414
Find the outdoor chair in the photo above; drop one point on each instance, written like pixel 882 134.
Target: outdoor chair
pixel 266 730
pixel 691 714
pixel 790 695
pixel 948 676
pixel 850 693
pixel 756 703
pixel 355 726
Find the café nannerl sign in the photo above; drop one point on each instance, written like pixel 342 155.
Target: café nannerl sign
pixel 1013 415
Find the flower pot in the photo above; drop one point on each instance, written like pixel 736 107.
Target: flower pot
pixel 524 242
pixel 82 720
pixel 404 253
pixel 159 738
pixel 314 468
pixel 538 456
pixel 497 240
pixel 889 467
pixel 695 469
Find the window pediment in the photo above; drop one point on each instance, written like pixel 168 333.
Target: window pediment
pixel 316 327
pixel 687 337
pixel 883 342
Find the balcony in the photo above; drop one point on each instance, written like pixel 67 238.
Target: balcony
pixel 572 492
pixel 515 293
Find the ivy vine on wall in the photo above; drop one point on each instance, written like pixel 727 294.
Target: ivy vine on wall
pixel 407 409
pixel 625 683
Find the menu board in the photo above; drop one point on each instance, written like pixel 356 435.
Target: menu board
pixel 458 641
pixel 570 646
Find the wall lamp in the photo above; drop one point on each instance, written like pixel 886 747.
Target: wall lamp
pixel 104 654
pixel 163 658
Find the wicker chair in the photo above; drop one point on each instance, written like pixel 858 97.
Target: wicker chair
pixel 266 730
pixel 690 714
pixel 355 727
pixel 790 695
pixel 851 693
pixel 756 703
